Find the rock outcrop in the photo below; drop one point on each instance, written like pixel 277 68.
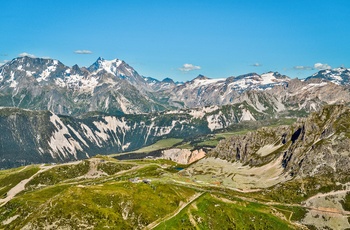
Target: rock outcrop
pixel 317 145
pixel 183 156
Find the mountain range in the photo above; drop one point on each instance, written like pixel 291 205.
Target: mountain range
pixel 55 113
pixel 114 87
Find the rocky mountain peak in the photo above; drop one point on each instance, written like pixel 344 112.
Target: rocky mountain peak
pixel 108 66
pixel 339 76
pixel 75 67
pixel 32 62
pixel 201 77
pixel 317 144
pixel 246 76
pixel 168 80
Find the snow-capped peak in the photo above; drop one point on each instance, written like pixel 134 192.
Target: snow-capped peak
pixel 203 80
pixel 109 66
pixel 339 76
pixel 268 78
pixel 273 77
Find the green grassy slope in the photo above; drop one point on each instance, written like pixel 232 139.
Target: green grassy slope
pixel 129 195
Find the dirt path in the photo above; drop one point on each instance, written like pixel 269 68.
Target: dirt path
pixel 177 211
pixel 21 185
pixel 329 194
pixel 273 203
pixel 23 168
pixel 18 188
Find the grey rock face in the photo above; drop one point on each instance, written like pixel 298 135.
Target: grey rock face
pixel 317 145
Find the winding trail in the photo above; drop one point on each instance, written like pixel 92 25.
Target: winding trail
pixel 318 195
pixel 21 185
pixel 176 212
pixel 272 203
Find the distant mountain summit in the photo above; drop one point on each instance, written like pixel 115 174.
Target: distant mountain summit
pixel 340 76
pixel 117 68
pixel 47 84
pixel 114 87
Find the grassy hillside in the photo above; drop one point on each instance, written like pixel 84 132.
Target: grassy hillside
pixel 106 193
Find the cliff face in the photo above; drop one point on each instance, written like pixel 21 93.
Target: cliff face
pixel 183 156
pixel 319 144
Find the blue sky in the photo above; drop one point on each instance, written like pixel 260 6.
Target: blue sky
pixel 181 39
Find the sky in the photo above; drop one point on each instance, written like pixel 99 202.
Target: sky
pixel 182 39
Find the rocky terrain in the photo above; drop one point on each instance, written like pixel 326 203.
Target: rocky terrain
pixel 317 145
pixel 183 156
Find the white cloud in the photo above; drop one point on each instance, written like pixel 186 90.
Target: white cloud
pixel 83 52
pixel 301 67
pixel 256 64
pixel 189 67
pixel 26 55
pixel 321 66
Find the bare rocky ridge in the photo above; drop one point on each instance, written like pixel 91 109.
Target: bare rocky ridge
pixel 317 145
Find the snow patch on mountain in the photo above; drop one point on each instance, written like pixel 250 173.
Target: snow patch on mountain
pixel 247 116
pixel 339 76
pixel 164 130
pixel 215 121
pixel 201 112
pixel 82 83
pixel 90 135
pixel 255 81
pixel 12 81
pixel 268 78
pixel 46 73
pixel 61 141
pixel 314 85
pixel 76 133
pixel 126 146
pixel 30 73
pixel 112 125
pixel 109 66
pixel 204 82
